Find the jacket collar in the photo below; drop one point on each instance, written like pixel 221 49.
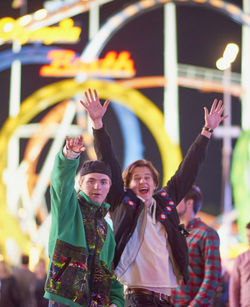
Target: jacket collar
pixel 103 204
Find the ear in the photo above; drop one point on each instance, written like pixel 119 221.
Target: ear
pixel 80 180
pixel 190 203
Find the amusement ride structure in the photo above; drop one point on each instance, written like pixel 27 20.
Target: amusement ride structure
pixel 25 218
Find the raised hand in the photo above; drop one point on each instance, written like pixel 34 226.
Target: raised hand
pixel 94 107
pixel 75 144
pixel 214 117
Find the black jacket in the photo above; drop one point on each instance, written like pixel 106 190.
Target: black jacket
pixel 126 206
pixel 9 292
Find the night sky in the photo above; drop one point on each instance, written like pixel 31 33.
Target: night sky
pixel 202 37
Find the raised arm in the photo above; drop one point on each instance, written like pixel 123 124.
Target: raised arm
pixel 187 172
pixel 63 175
pixel 102 144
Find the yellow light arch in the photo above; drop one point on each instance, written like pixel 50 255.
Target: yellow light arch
pixel 45 97
pixel 145 109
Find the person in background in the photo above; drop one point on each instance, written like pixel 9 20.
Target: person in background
pixel 204 256
pixel 151 253
pixel 25 279
pixel 10 295
pixel 81 242
pixel 222 294
pixel 41 274
pixel 239 282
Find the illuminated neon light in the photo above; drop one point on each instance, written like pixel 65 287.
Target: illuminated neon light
pixel 13 30
pixel 40 14
pixel 33 55
pixel 65 64
pixel 52 94
pixel 24 20
pixel 240 174
pixel 242 18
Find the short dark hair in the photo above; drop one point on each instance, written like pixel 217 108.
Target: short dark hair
pixel 127 173
pixel 248 225
pixel 195 194
pixel 25 259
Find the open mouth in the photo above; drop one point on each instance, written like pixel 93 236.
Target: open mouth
pixel 143 190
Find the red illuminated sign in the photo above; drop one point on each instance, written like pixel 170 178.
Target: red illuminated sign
pixel 64 63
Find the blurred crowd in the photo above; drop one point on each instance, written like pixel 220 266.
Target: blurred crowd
pixel 21 287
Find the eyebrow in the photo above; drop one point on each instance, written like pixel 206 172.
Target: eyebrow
pixel 101 179
pixel 146 174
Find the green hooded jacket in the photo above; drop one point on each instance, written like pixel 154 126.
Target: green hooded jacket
pixel 68 275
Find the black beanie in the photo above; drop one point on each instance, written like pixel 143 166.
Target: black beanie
pixel 95 167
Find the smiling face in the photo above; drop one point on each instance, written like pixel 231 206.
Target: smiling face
pixel 142 183
pixel 96 186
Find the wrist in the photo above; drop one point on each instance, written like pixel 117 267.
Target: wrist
pixel 97 124
pixel 206 133
pixel 208 129
pixel 72 151
pixel 70 154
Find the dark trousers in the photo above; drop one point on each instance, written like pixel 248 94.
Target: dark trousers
pixel 145 300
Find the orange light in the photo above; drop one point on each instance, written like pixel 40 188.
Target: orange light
pixel 233 9
pixel 217 3
pixel 147 3
pixel 200 1
pixel 165 1
pixel 131 10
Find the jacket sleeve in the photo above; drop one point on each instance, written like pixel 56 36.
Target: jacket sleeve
pixel 234 285
pixel 212 271
pixel 62 182
pixel 117 294
pixel 183 179
pixel 104 151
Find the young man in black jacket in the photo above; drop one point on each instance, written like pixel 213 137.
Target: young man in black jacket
pixel 151 254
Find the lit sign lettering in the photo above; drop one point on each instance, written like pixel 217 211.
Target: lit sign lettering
pixel 12 30
pixel 64 63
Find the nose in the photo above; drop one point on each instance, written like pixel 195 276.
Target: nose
pixel 142 180
pixel 97 185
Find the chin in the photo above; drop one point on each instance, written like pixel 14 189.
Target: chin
pixel 96 200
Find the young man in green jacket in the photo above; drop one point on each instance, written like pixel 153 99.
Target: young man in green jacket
pixel 81 243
